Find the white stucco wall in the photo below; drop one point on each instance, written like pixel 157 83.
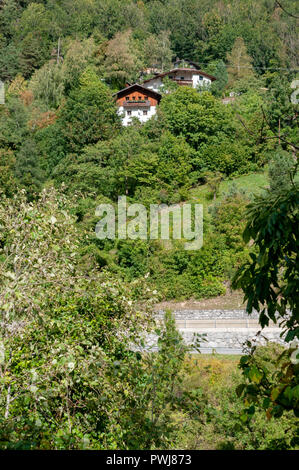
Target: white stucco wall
pixel 137 113
pixel 200 82
pixel 153 84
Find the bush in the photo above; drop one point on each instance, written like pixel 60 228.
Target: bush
pixel 281 170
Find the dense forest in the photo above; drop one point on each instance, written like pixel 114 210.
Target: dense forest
pixel 74 308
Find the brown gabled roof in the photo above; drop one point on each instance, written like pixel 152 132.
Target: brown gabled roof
pixel 160 75
pixel 141 88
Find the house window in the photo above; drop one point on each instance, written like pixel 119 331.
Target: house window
pixel 182 78
pixel 170 76
pixel 127 98
pixel 144 113
pixel 140 97
pixel 133 98
pixel 146 98
pixel 200 77
pixel 129 113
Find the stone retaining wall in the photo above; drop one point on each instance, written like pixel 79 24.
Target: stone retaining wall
pixel 223 340
pixel 220 338
pixel 209 314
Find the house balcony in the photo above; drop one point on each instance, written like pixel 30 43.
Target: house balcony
pixel 183 82
pixel 136 103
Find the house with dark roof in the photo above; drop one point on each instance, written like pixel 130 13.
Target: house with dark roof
pixel 184 73
pixel 141 100
pixel 137 101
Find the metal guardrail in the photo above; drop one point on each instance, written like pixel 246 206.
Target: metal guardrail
pixel 219 323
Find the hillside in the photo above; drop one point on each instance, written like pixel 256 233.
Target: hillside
pixel 148 160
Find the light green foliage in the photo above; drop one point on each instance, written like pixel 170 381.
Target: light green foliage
pixel 239 62
pixel 281 171
pixel 71 376
pixel 69 333
pixel 78 56
pixel 228 217
pixel 209 127
pixel 47 84
pixel 123 63
pixel 174 161
pixel 270 284
pixel 220 422
pixel 157 51
pixel 196 116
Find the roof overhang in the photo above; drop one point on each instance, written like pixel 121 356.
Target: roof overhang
pixel 140 88
pixel 195 71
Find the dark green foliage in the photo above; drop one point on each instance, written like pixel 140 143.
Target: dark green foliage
pixel 281 112
pixel 270 284
pixel 270 278
pixel 7 172
pixel 88 115
pixel 13 120
pixel 218 69
pixel 199 30
pixel 28 168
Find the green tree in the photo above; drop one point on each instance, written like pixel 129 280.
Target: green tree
pixel 157 51
pixel 239 62
pixel 123 60
pixel 47 84
pixel 7 172
pixel 270 284
pixel 281 171
pixel 218 69
pixel 35 34
pixel 28 170
pixel 89 114
pixel 196 116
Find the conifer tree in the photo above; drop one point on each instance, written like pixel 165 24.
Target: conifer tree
pixel 239 62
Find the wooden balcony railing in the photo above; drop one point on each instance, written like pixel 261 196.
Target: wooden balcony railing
pixel 134 104
pixel 183 82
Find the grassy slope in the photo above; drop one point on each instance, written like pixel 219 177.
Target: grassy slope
pixel 252 183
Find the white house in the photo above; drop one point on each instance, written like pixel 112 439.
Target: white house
pixel 137 101
pixel 184 73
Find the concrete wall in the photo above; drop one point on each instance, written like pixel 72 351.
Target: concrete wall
pixel 136 112
pixel 154 84
pixel 229 340
pixel 222 331
pixel 197 81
